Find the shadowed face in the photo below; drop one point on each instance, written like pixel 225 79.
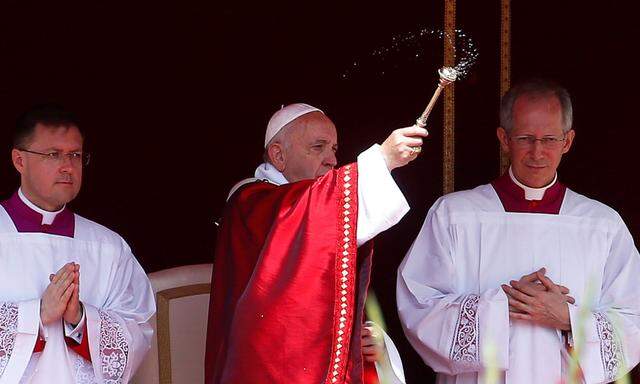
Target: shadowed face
pixel 308 147
pixel 534 163
pixel 49 181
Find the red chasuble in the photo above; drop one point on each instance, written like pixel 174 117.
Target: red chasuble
pixel 288 284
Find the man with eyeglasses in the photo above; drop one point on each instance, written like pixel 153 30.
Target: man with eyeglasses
pixel 507 279
pixel 53 328
pixel 293 256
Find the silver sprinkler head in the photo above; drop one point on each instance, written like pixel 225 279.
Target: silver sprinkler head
pixel 447 75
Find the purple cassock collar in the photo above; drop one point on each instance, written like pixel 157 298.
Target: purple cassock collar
pixel 27 220
pixel 513 199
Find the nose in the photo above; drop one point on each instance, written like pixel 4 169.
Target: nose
pixel 330 159
pixel 66 164
pixel 537 149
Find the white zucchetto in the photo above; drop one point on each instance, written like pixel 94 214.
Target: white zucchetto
pixel 284 116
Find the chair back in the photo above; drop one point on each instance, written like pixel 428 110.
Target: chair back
pixel 180 324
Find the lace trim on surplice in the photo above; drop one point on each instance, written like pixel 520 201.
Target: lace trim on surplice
pixel 610 346
pixel 465 346
pixel 8 332
pixel 83 371
pixel 114 349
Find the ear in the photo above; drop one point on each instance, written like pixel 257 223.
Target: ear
pixel 18 160
pixel 277 155
pixel 503 138
pixel 569 141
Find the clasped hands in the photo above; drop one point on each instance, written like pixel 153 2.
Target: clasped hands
pixel 60 299
pixel 536 298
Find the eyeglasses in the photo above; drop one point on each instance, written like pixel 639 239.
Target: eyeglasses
pixel 528 141
pixel 75 158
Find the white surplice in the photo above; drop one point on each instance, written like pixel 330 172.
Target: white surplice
pixel 116 294
pixel 456 316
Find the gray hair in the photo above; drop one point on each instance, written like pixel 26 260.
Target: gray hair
pixel 537 88
pixel 281 137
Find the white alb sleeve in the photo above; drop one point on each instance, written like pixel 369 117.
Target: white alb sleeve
pixel 611 330
pixel 381 204
pixel 19 327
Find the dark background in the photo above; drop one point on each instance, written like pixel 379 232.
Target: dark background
pixel 175 97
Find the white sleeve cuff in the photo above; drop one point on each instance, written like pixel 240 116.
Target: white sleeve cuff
pixel 381 204
pixel 575 322
pixel 42 331
pixel 493 312
pixel 390 370
pixel 75 333
pixel 29 317
pixel 582 322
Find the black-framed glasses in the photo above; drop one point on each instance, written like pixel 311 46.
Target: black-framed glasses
pixel 56 157
pixel 528 141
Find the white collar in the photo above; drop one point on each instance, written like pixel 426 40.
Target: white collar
pixel 47 216
pixel 532 193
pixel 266 171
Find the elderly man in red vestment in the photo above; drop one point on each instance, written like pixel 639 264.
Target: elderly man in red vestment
pixel 293 255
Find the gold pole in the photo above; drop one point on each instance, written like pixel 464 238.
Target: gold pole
pixel 448 137
pixel 505 63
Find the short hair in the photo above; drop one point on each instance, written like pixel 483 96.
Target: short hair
pixel 536 88
pixel 281 137
pixel 50 115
